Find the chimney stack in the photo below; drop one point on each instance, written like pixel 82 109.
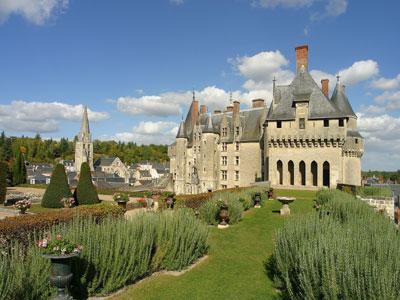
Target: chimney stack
pixel 325 87
pixel 203 109
pixel 195 111
pixel 236 107
pixel 257 103
pixel 301 57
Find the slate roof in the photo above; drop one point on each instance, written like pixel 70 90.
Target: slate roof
pixel 341 101
pixel 104 161
pixel 303 88
pixel 353 133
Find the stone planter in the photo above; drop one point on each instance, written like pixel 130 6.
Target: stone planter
pixel 170 202
pixel 61 274
pixel 271 194
pixel 285 210
pixel 223 217
pixel 257 200
pixel 122 204
pixel 22 211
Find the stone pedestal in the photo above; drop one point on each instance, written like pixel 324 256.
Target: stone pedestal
pixel 285 210
pixel 257 206
pixel 223 226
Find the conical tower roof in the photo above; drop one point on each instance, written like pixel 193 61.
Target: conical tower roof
pixel 209 127
pixel 341 101
pixel 181 131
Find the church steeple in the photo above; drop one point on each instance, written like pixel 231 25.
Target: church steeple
pixel 84 145
pixel 84 133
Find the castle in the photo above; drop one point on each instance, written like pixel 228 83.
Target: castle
pixel 303 139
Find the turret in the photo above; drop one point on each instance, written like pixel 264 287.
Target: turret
pixel 341 101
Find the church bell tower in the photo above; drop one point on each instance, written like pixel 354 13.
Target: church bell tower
pixel 84 145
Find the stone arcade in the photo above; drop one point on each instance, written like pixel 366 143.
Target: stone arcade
pixel 304 139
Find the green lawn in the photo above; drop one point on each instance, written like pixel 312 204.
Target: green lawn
pixel 235 266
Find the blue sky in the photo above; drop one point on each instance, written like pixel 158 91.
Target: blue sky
pixel 134 63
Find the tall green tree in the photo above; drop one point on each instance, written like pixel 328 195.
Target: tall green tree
pixel 57 189
pixel 19 169
pixel 86 192
pixel 3 181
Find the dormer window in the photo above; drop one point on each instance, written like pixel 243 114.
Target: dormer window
pixel 302 123
pixel 224 131
pixel 326 123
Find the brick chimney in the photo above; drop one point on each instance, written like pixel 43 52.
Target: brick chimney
pixel 195 111
pixel 325 87
pixel 203 109
pixel 301 57
pixel 257 103
pixel 236 106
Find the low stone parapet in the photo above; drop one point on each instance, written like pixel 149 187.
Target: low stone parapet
pixel 385 204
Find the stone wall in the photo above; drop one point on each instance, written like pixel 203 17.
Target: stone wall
pixel 385 204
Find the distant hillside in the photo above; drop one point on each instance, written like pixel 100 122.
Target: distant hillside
pixel 40 150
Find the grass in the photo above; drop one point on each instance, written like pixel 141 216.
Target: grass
pixel 235 267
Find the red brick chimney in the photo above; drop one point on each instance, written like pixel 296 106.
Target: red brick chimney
pixel 301 57
pixel 236 106
pixel 257 103
pixel 203 109
pixel 195 111
pixel 325 87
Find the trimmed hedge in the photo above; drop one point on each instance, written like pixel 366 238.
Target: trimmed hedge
pixel 3 181
pixel 86 192
pixel 57 189
pixel 374 191
pixel 344 251
pixel 22 228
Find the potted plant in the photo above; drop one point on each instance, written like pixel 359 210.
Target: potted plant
pixel 23 205
pixel 257 199
pixel 68 202
pixel 223 214
pixel 121 199
pixel 60 252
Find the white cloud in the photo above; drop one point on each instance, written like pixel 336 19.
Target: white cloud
pixel 283 3
pixel 42 116
pixel 382 141
pixel 34 11
pixel 319 75
pixel 391 100
pixel 177 2
pixel 359 71
pixel 386 84
pixel 160 132
pixel 336 7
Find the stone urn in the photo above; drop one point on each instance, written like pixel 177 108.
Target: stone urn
pixel 122 204
pixel 170 202
pixel 61 274
pixel 223 216
pixel 285 210
pixel 271 194
pixel 257 200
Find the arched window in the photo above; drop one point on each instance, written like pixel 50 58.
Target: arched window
pixel 291 172
pixel 279 171
pixel 326 174
pixel 314 173
pixel 302 171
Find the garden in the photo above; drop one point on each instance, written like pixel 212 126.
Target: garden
pixel 331 246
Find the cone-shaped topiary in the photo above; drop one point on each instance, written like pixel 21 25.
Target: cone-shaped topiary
pixel 57 189
pixel 19 169
pixel 86 192
pixel 3 181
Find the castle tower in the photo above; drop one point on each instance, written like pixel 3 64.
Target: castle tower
pixel 84 145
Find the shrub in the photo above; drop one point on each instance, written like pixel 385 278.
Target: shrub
pixel 209 211
pixel 19 169
pixel 347 251
pixel 373 191
pixel 57 189
pixel 3 181
pixel 86 192
pixel 22 228
pixel 115 252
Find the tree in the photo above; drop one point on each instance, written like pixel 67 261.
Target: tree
pixel 57 189
pixel 19 169
pixel 86 192
pixel 3 181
